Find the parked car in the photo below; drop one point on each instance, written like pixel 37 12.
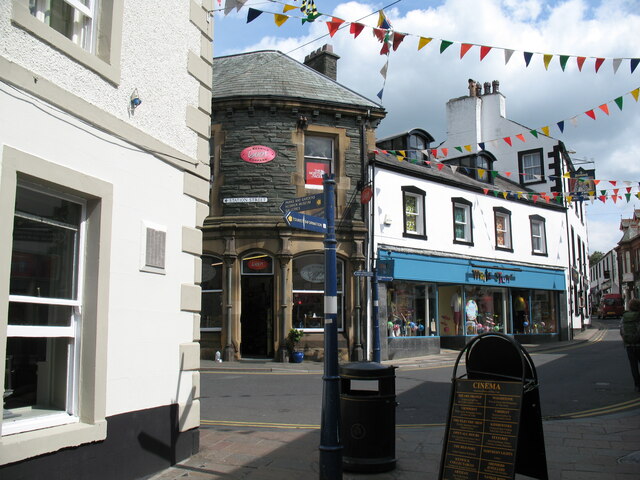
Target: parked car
pixel 611 305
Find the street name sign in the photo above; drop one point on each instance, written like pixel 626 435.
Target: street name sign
pixel 384 278
pixel 301 204
pixel 306 222
pixel 362 273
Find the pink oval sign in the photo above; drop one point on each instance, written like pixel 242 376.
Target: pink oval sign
pixel 257 154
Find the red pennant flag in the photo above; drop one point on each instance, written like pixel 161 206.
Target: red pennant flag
pixel 535 198
pixel 605 108
pixel 434 152
pixel 596 182
pixel 599 62
pixel 485 190
pixel 521 137
pixel 615 191
pixel 508 140
pixel 385 49
pixel 445 151
pixel 508 174
pixel 440 166
pixel 397 40
pixel 603 198
pixel 591 114
pixel 555 195
pixel 379 34
pixel 628 189
pixel 464 48
pixel 580 62
pixel 355 29
pixel 334 25
pixel 613 182
pixel 614 198
pixel 484 51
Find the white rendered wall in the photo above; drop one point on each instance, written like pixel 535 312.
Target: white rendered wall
pixel 146 325
pixel 156 40
pixel 439 222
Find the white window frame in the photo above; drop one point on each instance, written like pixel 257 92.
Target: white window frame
pixel 467 223
pixel 530 172
pixel 84 33
pixel 541 235
pixel 70 332
pixel 505 215
pixel 330 160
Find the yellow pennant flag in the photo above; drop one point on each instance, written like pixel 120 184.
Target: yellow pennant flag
pixel 547 59
pixel 569 198
pixel 545 130
pixel 400 158
pixel 504 195
pixel 481 172
pixel 280 19
pixel 425 41
pixel 403 153
pixel 286 8
pixel 635 93
pixel 567 175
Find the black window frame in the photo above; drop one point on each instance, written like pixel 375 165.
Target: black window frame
pixel 414 191
pixel 507 214
pixel 521 154
pixel 469 205
pixel 543 221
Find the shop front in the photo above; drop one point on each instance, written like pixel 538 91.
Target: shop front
pixel 451 299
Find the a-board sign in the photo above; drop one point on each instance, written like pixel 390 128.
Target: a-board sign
pixel 482 437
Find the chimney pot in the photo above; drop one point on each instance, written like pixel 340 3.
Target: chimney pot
pixel 472 87
pixel 496 86
pixel 487 88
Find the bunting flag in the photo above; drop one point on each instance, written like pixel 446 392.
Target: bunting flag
pixel 308 8
pixel 334 25
pixel 355 29
pixel 280 19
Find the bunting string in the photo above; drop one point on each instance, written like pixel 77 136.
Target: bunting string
pixel 311 14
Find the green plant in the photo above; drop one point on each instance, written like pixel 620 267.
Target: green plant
pixel 293 338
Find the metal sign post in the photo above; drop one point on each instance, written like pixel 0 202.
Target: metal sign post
pixel 330 447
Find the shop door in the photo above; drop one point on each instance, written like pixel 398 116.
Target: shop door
pixel 256 319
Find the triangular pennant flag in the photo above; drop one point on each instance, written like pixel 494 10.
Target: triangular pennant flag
pixel 634 93
pixel 440 166
pixel 379 94
pixel 568 197
pixel 619 102
pixel 400 157
pixel 280 19
pixel 252 14
pixel 385 49
pixel 240 4
pixel 580 61
pixel 535 198
pixel 534 133
pixel 355 29
pixel 628 197
pixel 547 59
pixel 496 193
pixel 379 34
pixel 605 108
pixel 566 175
pixel 591 114
pixel 616 64
pixel 494 173
pixel 507 55
pixel 464 48
pixel 613 182
pixel 561 126
pixel 603 198
pixel 444 44
pixel 467 148
pixel 614 198
pixel 485 190
pixel 481 146
pixel 286 8
pixel 454 168
pixel 599 62
pixel 382 21
pixel 423 42
pixel 634 63
pixel 508 174
pixel 402 152
pixel 527 58
pixel 459 149
pixel 334 25
pixel 383 70
pixel 574 121
pixel 596 182
pixel 545 130
pixel 445 151
pixel 229 5
pixel 481 172
pixel 484 50
pixel 628 189
pixel 397 40
pixel 563 61
pixel 615 191
pixel 520 137
pixel 508 140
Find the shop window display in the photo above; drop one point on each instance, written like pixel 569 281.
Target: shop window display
pixel 450 310
pixel 485 310
pixel 534 311
pixel 411 310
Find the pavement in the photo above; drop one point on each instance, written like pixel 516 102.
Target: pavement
pixel 601 447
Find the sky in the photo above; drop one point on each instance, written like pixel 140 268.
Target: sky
pixel 418 83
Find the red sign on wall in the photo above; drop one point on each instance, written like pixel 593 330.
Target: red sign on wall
pixel 258 154
pixel 257 264
pixel 315 170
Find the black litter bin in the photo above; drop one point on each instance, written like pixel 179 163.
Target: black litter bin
pixel 368 417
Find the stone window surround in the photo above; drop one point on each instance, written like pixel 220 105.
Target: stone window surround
pixel 92 425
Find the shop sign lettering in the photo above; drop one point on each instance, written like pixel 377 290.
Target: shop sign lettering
pixel 487 276
pixel 257 264
pixel 257 154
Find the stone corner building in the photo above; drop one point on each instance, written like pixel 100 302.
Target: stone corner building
pixel 277 126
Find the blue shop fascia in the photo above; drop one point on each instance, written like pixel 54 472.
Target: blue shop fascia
pixel 437 301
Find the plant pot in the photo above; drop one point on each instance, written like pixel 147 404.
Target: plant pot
pixel 297 357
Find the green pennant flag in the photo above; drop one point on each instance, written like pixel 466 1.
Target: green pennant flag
pixel 628 195
pixel 459 149
pixel 444 45
pixel 496 193
pixel 619 102
pixel 603 192
pixel 563 61
pixel 534 133
pixel 494 173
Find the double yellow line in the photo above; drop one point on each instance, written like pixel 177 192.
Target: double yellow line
pixel 616 407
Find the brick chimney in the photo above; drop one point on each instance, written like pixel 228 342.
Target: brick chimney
pixel 323 60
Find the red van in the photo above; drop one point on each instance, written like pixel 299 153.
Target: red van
pixel 611 305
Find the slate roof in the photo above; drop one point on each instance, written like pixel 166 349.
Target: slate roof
pixel 271 73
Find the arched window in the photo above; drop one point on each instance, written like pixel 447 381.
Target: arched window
pixel 308 292
pixel 211 285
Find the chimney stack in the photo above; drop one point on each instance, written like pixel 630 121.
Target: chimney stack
pixel 496 86
pixel 323 60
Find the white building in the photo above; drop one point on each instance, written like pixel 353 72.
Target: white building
pixel 604 277
pixel 481 239
pixel 101 200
